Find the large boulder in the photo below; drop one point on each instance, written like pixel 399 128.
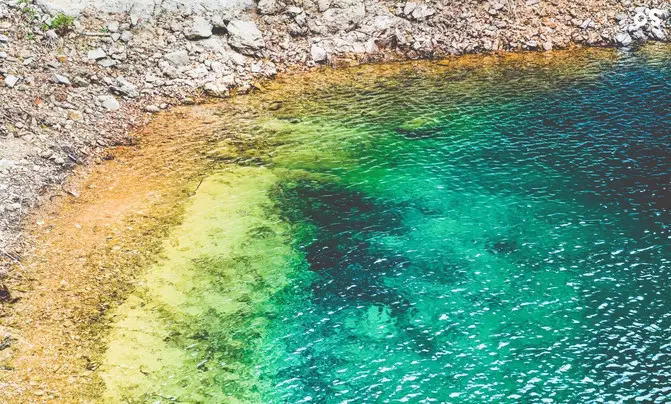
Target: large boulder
pixel 245 37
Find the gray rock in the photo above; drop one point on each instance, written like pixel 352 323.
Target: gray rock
pixel 658 33
pixel 4 38
pixel 198 28
pixel 96 54
pixel 152 108
pixel 338 19
pixel 80 81
pixel 3 55
pixel 623 39
pixel 60 79
pixel 107 62
pixel 245 36
pixel 51 34
pixel 638 35
pixel 10 81
pixel 125 87
pixel 111 104
pixel 318 53
pixel 177 58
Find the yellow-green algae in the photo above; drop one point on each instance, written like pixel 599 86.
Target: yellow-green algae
pixel 229 256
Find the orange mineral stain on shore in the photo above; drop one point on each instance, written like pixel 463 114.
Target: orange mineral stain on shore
pixel 86 251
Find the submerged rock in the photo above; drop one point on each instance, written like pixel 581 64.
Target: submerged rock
pixel 419 128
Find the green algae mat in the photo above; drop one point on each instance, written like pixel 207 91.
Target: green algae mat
pixel 494 230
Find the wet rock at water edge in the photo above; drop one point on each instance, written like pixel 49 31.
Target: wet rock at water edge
pixel 318 53
pixel 623 39
pixel 275 106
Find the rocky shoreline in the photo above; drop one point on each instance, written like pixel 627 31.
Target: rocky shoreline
pixel 79 75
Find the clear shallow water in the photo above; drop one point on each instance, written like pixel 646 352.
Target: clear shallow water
pixel 431 235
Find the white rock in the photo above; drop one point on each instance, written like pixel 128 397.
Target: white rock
pixel 152 108
pixel 6 164
pixel 623 39
pixel 125 87
pixel 268 7
pixel 177 58
pixel 51 34
pixel 4 38
pixel 96 54
pixel 144 10
pixel 245 36
pixel 126 36
pixel 111 104
pixel 113 26
pixel 198 28
pixel 10 81
pixel 216 89
pixel 338 19
pixel 658 33
pixel 107 62
pixel 318 53
pixel 294 10
pixel 60 79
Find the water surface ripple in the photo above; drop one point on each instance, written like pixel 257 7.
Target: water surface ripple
pixel 464 235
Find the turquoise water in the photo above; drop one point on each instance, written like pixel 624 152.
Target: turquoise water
pixel 447 235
